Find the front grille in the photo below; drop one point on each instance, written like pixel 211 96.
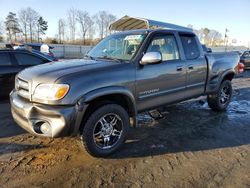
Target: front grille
pixel 22 88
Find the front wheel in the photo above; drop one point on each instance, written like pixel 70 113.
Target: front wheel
pixel 105 130
pixel 221 100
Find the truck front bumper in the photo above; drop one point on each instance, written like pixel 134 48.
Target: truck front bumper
pixel 46 120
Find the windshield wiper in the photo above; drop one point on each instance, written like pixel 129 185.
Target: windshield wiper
pixel 110 58
pixel 90 57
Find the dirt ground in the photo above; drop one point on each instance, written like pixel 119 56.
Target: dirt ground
pixel 190 147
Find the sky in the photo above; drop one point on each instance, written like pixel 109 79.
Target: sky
pixel 213 14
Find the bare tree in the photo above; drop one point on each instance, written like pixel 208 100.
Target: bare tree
pixel 23 20
pixel 190 26
pixel 72 22
pixel 32 18
pixel 1 27
pixel 91 28
pixel 214 37
pixel 200 34
pixel 206 38
pixel 209 37
pixel 1 30
pixel 110 18
pixel 84 20
pixel 61 30
pixel 100 21
pixel 103 20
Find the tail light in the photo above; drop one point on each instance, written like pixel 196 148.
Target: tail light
pixel 51 54
pixel 240 67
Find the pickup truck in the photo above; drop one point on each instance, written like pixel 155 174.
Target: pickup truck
pixel 98 97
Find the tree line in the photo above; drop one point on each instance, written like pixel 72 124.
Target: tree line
pixel 77 27
pixel 79 23
pixel 27 25
pixel 209 37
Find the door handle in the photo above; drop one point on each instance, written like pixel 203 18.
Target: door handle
pixel 179 68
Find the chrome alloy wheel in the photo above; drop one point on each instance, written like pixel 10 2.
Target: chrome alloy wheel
pixel 225 94
pixel 108 131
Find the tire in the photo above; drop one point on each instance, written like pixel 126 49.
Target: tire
pixel 221 100
pixel 106 130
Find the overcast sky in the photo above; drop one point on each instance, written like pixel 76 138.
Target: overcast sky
pixel 214 14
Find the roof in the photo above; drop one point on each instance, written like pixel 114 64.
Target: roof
pixel 132 23
pixel 34 52
pixel 37 45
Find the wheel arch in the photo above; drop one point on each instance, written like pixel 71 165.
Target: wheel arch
pixel 110 95
pixel 214 84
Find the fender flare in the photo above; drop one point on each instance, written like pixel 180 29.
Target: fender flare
pixel 112 90
pixel 223 76
pixel 213 86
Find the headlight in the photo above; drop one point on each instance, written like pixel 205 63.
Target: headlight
pixel 50 91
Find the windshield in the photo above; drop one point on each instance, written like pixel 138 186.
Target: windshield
pixel 118 46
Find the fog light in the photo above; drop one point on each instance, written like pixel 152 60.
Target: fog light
pixel 45 128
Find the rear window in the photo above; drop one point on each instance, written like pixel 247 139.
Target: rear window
pixel 36 48
pixel 190 46
pixel 28 59
pixel 5 58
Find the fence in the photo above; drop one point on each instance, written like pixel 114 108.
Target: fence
pixel 229 49
pixel 77 51
pixel 69 51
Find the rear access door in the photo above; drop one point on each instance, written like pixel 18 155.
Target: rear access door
pixel 196 65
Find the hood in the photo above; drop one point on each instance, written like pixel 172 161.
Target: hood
pixel 50 72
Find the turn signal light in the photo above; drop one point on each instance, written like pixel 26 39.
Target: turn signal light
pixel 61 92
pixel 241 67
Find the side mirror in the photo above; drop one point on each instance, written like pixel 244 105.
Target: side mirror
pixel 151 58
pixel 209 50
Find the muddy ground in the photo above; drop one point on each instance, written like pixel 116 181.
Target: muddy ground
pixel 190 147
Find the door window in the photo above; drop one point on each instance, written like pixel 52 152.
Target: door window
pixel 190 46
pixel 5 58
pixel 28 59
pixel 166 45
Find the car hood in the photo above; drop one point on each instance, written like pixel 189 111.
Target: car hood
pixel 50 72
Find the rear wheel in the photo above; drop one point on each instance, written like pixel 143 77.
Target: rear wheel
pixel 105 130
pixel 221 100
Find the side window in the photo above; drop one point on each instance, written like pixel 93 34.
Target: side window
pixel 190 47
pixel 27 59
pixel 5 58
pixel 36 48
pixel 166 45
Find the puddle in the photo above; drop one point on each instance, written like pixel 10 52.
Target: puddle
pixel 238 108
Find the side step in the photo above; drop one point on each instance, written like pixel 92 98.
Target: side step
pixel 155 114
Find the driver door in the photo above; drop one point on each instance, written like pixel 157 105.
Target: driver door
pixel 165 82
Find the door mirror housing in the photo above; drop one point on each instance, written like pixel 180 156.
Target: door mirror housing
pixel 209 50
pixel 151 58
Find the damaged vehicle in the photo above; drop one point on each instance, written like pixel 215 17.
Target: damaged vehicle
pixel 132 71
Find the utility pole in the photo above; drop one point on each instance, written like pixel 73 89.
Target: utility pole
pixel 226 39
